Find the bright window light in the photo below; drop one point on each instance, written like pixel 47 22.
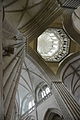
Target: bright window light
pixel 47 90
pixel 31 104
pixel 43 93
pixel 52 43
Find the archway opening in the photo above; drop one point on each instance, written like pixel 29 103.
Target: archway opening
pixel 53 114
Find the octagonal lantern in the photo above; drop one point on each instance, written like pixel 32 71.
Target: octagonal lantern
pixel 53 44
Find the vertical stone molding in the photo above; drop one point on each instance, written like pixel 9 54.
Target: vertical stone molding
pixel 1 66
pixel 69 103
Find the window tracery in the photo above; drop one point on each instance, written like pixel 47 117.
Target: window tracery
pixel 43 92
pixel 53 44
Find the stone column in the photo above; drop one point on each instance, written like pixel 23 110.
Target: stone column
pixel 67 103
pixel 1 67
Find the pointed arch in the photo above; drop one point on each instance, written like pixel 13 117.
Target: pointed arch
pixel 53 113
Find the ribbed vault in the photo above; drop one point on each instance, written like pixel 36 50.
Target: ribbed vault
pixel 70 74
pixel 31 77
pixel 26 20
pixel 31 17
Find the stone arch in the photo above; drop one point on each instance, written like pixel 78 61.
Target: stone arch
pixel 69 73
pixel 53 114
pixel 40 87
